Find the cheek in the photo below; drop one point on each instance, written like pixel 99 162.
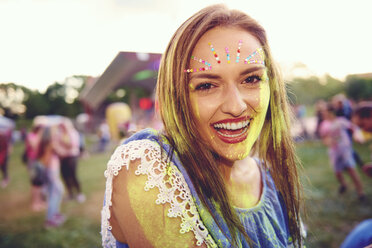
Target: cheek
pixel 258 98
pixel 264 96
pixel 195 107
pixel 203 108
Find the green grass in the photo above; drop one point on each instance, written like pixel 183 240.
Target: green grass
pixel 329 216
pixel 21 227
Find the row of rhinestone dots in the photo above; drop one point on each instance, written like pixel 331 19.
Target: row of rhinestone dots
pixel 214 53
pixel 252 55
pixel 248 60
pixel 209 66
pixel 198 69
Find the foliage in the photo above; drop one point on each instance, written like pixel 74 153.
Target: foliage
pixel 37 104
pixel 57 97
pixel 309 90
pixel 11 96
pixel 60 98
pixel 359 88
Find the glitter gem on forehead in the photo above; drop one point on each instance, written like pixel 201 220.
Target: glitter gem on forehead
pixel 208 65
pixel 214 53
pixel 256 57
pixel 227 55
pixel 238 51
pixel 250 60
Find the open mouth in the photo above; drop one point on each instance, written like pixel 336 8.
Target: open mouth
pixel 232 131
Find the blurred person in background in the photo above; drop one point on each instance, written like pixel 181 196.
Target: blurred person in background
pixel 103 136
pixel 67 146
pixel 363 118
pixel 320 106
pixel 300 111
pixel 343 108
pixel 32 141
pixel 334 134
pixel 48 158
pixel 5 150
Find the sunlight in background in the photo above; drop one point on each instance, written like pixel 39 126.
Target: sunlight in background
pixel 44 41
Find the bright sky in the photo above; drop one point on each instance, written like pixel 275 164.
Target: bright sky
pixel 44 41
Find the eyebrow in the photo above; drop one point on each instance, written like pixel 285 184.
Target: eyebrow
pixel 210 75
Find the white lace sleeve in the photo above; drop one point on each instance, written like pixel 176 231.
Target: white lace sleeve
pixel 172 186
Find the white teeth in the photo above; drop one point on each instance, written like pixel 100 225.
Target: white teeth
pixel 233 125
pixel 232 135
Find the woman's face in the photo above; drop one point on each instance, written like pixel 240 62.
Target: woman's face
pixel 229 98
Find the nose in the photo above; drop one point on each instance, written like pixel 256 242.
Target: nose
pixel 234 102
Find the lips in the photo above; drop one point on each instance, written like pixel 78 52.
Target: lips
pixel 232 130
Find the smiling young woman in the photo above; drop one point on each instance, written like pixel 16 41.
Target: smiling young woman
pixel 223 171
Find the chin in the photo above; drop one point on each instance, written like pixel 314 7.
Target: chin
pixel 235 153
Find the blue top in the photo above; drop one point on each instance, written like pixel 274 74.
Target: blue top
pixel 266 223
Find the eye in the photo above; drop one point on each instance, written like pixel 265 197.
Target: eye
pixel 204 86
pixel 252 79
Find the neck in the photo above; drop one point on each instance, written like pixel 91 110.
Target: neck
pixel 229 169
pixel 243 181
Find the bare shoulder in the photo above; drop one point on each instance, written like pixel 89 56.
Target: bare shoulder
pixel 140 207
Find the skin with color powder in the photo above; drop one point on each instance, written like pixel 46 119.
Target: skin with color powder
pixel 229 95
pixel 230 102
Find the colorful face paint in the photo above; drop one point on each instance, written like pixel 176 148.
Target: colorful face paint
pixel 214 53
pixel 250 59
pixel 230 102
pixel 238 51
pixel 256 57
pixel 227 55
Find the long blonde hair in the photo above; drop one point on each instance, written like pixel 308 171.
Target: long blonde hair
pixel 275 146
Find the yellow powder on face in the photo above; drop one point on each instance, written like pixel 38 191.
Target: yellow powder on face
pixel 263 100
pixel 194 103
pixel 264 92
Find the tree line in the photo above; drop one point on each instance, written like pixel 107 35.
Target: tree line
pixel 308 91
pixel 62 98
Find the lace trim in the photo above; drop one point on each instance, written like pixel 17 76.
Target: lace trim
pixel 167 178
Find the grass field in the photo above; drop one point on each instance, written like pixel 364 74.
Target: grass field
pixel 329 216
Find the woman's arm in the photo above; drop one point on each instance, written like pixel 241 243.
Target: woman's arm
pixel 137 220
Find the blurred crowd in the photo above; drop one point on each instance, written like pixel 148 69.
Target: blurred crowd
pixel 338 123
pixel 54 145
pixel 342 122
pixel 51 152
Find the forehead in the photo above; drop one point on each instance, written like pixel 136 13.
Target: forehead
pixel 223 40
